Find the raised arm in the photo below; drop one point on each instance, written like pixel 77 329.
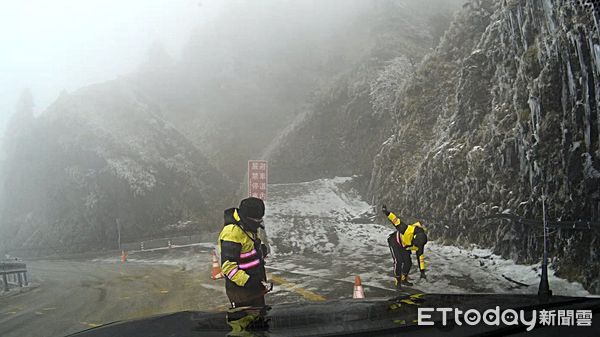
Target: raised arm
pixel 391 216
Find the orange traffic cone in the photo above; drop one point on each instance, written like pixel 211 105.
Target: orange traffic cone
pixel 216 269
pixel 123 256
pixel 358 288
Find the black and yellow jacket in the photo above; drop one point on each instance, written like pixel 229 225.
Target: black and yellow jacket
pixel 242 260
pixel 410 237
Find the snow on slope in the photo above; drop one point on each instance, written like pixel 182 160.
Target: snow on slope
pixel 323 228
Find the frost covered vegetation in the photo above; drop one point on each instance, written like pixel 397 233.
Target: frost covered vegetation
pixel 504 111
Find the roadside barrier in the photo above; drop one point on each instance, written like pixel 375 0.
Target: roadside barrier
pixel 16 272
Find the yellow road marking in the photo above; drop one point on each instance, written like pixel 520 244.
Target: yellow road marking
pixel 39 313
pixel 91 325
pixel 309 295
pixel 11 312
pixel 124 298
pixel 164 291
pixel 48 309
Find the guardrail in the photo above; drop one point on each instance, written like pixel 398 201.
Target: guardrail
pixel 14 272
pixel 166 242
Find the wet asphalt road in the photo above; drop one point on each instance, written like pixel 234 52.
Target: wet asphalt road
pixel 73 295
pixel 76 295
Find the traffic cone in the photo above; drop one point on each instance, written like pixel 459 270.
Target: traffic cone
pixel 216 269
pixel 169 244
pixel 358 288
pixel 123 256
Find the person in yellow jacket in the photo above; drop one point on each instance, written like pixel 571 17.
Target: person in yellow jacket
pixel 243 254
pixel 402 242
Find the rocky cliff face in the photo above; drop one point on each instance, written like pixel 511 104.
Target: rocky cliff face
pixel 97 159
pixel 503 112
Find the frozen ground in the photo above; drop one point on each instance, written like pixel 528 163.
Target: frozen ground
pixel 322 235
pixel 323 228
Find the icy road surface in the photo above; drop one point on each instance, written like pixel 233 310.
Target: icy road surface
pixel 322 228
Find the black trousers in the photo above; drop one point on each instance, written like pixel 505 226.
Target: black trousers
pixel 252 295
pixel 254 301
pixel 402 262
pixel 241 297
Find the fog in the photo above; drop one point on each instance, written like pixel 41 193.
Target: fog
pixel 49 46
pixel 164 104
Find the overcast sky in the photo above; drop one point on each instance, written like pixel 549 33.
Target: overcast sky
pixel 51 45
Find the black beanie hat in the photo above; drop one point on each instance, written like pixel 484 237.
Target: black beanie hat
pixel 252 208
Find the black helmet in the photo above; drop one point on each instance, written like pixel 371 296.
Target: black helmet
pixel 251 212
pixel 252 208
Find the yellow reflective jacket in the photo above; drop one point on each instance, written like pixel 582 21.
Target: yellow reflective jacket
pixel 239 256
pixel 408 234
pixel 405 236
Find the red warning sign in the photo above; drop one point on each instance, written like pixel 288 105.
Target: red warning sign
pixel 257 179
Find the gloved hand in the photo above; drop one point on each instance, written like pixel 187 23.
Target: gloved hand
pixel 267 285
pixel 384 210
pixel 423 276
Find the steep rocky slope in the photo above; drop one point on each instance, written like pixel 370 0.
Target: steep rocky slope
pixel 504 112
pixel 98 159
pixel 342 130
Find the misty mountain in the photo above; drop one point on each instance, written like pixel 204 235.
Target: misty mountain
pixel 100 158
pixel 164 144
pixel 246 76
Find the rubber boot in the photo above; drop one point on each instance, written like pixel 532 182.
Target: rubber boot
pixel 404 280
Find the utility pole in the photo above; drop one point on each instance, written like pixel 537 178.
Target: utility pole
pixel 544 291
